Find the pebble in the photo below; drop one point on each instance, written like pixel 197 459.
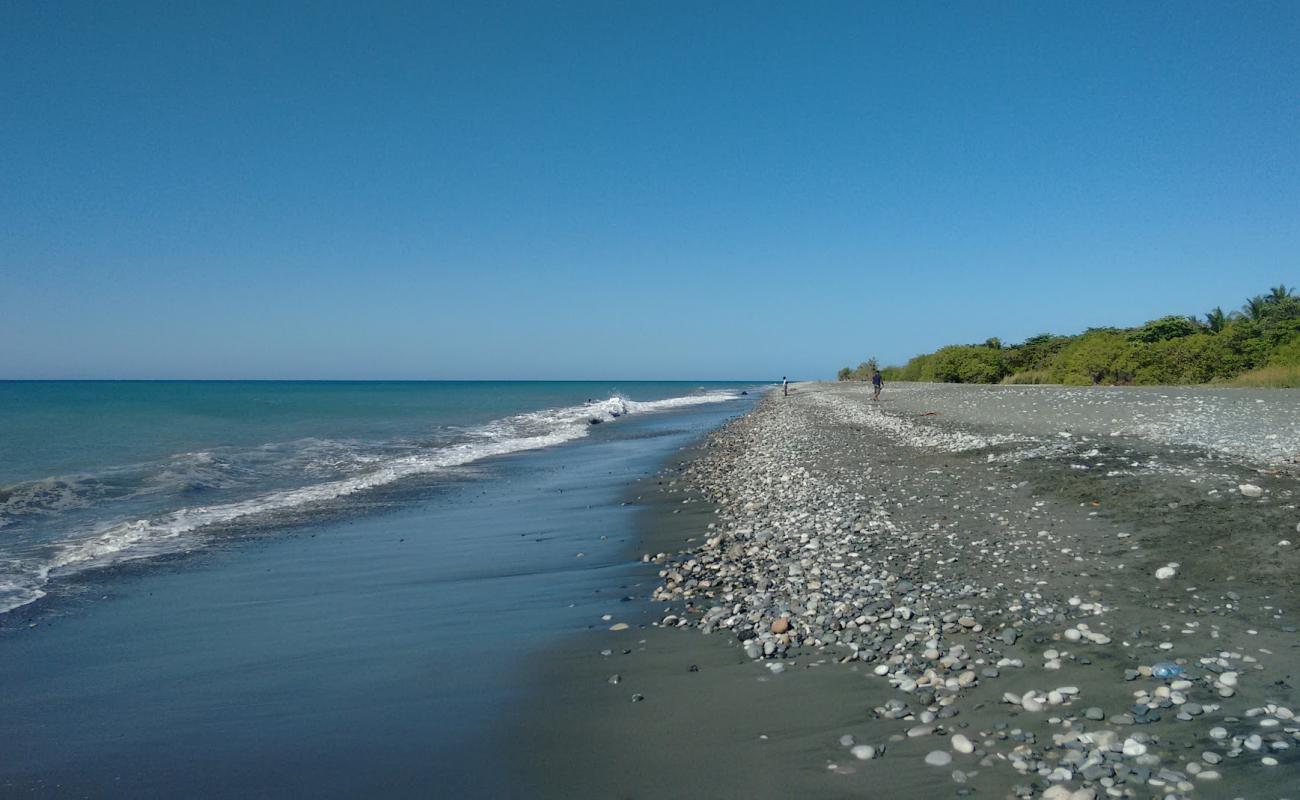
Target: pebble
pixel 938 758
pixel 925 585
pixel 863 752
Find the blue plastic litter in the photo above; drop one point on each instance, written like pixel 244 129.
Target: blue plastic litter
pixel 1166 669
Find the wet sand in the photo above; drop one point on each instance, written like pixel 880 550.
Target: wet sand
pixel 370 654
pixel 973 530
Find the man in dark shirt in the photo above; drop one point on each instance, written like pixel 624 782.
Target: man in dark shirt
pixel 877 383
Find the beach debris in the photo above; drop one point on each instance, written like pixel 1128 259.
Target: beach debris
pixel 1166 669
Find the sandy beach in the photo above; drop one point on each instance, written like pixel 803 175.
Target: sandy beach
pixel 989 591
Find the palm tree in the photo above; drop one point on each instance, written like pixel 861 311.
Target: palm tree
pixel 1279 293
pixel 1216 319
pixel 1254 307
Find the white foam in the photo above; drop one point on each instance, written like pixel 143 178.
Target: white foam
pixel 176 532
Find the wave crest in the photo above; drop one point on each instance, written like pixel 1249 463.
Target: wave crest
pixel 22 582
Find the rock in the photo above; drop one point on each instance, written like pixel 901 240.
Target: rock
pixel 1009 636
pixel 1250 490
pixel 615 679
pixel 780 625
pixel 1165 573
pixel 863 752
pixel 619 626
pixel 938 758
pixel 961 744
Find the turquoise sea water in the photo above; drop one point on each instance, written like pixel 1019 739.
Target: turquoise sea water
pixel 352 582
pixel 93 474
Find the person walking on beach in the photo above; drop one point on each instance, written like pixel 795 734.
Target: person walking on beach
pixel 785 386
pixel 877 383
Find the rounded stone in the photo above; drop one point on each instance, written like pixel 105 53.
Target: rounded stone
pixel 938 758
pixel 863 752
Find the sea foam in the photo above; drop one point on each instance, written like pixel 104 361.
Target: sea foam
pixel 23 581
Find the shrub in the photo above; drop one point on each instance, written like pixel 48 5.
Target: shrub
pixel 1277 377
pixel 1287 354
pixel 1198 358
pixel 1029 376
pixel 1096 357
pixel 1036 353
pixel 1165 328
pixel 966 364
pixel 1170 349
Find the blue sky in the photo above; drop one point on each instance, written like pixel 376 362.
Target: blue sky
pixel 626 190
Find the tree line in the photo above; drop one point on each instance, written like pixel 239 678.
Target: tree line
pixel 1258 345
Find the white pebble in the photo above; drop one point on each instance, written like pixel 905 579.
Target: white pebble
pixel 938 758
pixel 863 752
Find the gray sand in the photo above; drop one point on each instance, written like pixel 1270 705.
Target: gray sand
pixel 912 546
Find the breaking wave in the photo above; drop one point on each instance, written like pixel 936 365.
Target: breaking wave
pixel 350 467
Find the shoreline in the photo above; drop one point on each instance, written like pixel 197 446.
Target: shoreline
pixel 922 669
pixel 370 653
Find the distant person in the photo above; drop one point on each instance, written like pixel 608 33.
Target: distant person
pixel 877 383
pixel 785 386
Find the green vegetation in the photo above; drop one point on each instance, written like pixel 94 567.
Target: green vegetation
pixel 1256 346
pixel 1270 378
pixel 861 373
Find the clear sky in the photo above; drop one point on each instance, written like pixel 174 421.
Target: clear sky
pixel 626 189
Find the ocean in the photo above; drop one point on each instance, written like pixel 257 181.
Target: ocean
pixel 310 589
pixel 93 474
